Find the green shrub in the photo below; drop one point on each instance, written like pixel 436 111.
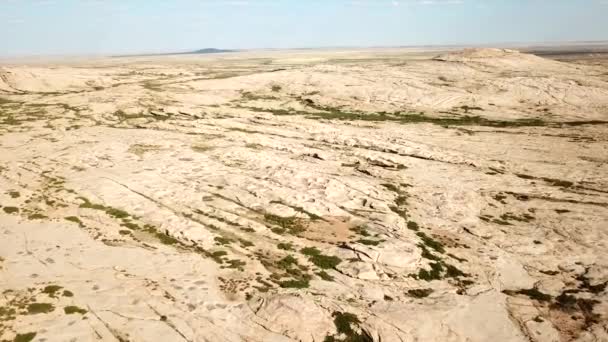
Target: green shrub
pixel 412 225
pixel 37 308
pixel 223 240
pixel 292 224
pixel 36 216
pixel 369 242
pixel 419 293
pixel 320 260
pixel 287 262
pixel 428 241
pixel 433 274
pixel 532 293
pixel 294 283
pixel 25 337
pixel 285 246
pixel 10 210
pixel 310 251
pixel 166 239
pixel 360 230
pixel 73 310
pixel 325 276
pixel 325 261
pixel 51 290
pixel 74 219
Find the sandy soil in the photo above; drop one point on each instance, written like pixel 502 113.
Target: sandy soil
pixel 373 195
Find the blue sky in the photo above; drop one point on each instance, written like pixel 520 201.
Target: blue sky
pixel 30 27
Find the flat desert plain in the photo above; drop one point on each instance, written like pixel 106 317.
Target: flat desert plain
pixel 312 195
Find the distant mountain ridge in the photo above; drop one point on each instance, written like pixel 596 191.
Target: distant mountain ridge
pixel 195 52
pixel 207 50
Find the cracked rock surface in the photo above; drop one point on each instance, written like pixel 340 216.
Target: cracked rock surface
pixel 382 195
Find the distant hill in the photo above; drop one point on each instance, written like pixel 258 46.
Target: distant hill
pixel 195 52
pixel 208 50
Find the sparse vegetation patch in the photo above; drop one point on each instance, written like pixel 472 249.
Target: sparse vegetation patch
pixel 75 220
pixel 293 225
pixel 348 328
pixel 320 260
pixel 360 230
pixel 431 243
pixel 285 246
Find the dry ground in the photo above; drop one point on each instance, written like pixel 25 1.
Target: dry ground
pixel 305 196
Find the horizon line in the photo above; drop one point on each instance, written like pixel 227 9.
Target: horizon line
pixel 512 44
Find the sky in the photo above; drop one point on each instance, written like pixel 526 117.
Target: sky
pixel 79 27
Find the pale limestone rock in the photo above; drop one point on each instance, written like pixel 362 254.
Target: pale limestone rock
pixel 553 287
pixel 402 255
pixel 360 270
pixel 512 275
pixel 143 186
pixel 286 314
pixel 542 331
pixel 471 320
pixel 597 274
